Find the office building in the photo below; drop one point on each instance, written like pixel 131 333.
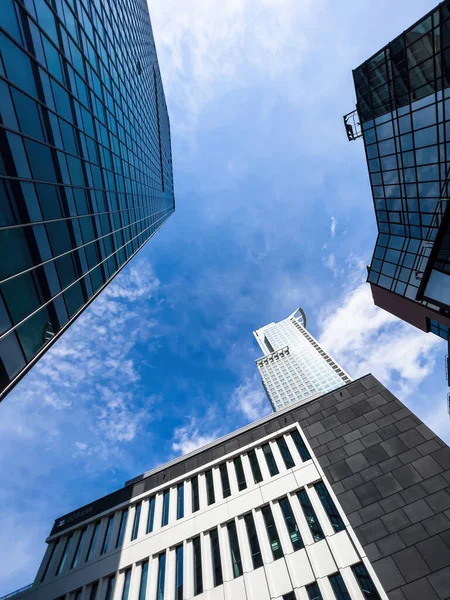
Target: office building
pixel 86 168
pixel 294 367
pixel 403 116
pixel 345 497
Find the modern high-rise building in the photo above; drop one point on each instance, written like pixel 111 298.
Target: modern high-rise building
pixel 403 115
pixel 86 167
pixel 345 497
pixel 294 367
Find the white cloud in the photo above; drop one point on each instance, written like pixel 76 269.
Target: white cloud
pixel 188 438
pixel 330 263
pixel 365 338
pixel 333 226
pixel 250 399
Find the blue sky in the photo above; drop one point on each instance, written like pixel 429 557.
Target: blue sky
pixel 273 211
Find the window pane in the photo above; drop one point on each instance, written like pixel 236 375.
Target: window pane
pixel 272 533
pixel 310 515
pixel 195 498
pixel 161 576
pixel 239 473
pixel 225 480
pixel 143 584
pixel 365 582
pixel 93 541
pixel 165 511
pixel 137 517
pixel 76 557
pixel 44 574
pixel 285 453
pixel 291 524
pixel 62 562
pixel 179 573
pixel 94 590
pixel 329 506
pixel 126 584
pixel 107 537
pixel 290 596
pixel 313 592
pixel 339 588
pixel 235 551
pixel 253 541
pixel 151 515
pixel 198 577
pixel 216 559
pixel 210 487
pixel 110 588
pixel 180 501
pixel 300 445
pixel 270 460
pixel 123 524
pixel 257 476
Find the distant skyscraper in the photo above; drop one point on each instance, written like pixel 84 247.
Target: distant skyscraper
pixel 403 115
pixel 86 167
pixel 294 367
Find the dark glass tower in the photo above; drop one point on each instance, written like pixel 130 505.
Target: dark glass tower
pixel 403 115
pixel 86 168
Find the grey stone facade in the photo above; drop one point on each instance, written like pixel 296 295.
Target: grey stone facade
pixel 391 474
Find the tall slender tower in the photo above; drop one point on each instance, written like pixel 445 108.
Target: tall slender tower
pixel 294 367
pixel 86 175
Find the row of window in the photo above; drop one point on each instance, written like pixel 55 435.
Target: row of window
pixel 230 533
pixel 107 543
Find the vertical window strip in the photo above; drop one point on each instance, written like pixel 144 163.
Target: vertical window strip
pixel 226 489
pixel 165 511
pixel 62 562
pixel 78 594
pixel 52 552
pixel 137 518
pixel 235 550
pixel 94 590
pixel 254 465
pixel 151 514
pixel 240 475
pixel 272 533
pixel 161 576
pixel 310 515
pixel 211 498
pixel 180 501
pixel 291 524
pixel 198 575
pixel 270 460
pixel 195 497
pixel 300 445
pixel 290 596
pixel 143 582
pixel 110 587
pixel 339 587
pixel 329 506
pixel 93 541
pixel 365 582
pixel 216 558
pixel 107 537
pixel 126 584
pixel 313 591
pixel 76 557
pixel 123 524
pixel 285 453
pixel 253 541
pixel 179 572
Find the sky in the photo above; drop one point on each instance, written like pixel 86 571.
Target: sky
pixel 273 211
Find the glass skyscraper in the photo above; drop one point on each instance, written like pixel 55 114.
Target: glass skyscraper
pixel 86 168
pixel 403 116
pixel 294 367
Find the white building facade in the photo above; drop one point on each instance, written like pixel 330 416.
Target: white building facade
pixel 294 367
pixel 250 516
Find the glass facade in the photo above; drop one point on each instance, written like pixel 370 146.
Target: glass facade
pixel 403 103
pixel 86 167
pixel 294 367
